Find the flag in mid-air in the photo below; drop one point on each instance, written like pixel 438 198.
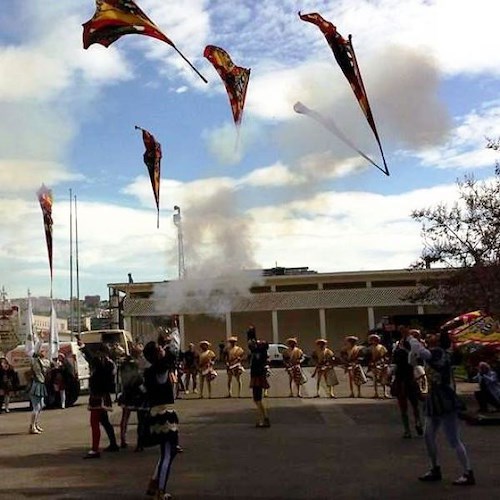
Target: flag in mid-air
pixel 235 79
pixel 45 198
pixel 346 58
pixel 152 159
pixel 115 18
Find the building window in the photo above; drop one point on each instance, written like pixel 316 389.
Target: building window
pixel 297 288
pixel 343 286
pixel 393 283
pixel 260 289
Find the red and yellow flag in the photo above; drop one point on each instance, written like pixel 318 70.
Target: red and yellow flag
pixel 152 159
pixel 346 58
pixel 235 79
pixel 45 198
pixel 115 18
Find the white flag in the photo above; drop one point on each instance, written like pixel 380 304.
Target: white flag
pixel 53 333
pixel 32 341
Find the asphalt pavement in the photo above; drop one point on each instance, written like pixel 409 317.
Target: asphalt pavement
pixel 316 449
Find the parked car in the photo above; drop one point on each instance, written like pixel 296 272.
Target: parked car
pixel 275 353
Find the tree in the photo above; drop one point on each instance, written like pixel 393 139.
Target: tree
pixel 465 239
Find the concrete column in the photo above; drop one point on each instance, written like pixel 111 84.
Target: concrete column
pixel 420 310
pixel 275 326
pixel 229 327
pixel 182 332
pixel 322 323
pixel 368 284
pixel 371 318
pixel 320 286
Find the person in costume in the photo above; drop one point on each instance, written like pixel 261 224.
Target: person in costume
pixel 163 420
pixel 102 383
pixel 379 365
pixel 9 382
pixel 59 377
pixel 292 358
pixel 441 406
pixel 40 366
pixel 259 378
pixel 324 358
pixel 404 386
pixel 351 355
pixel 132 397
pixel 206 367
pixel 190 362
pixel 233 356
pixel 489 388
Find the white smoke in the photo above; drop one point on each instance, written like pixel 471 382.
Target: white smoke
pixel 218 252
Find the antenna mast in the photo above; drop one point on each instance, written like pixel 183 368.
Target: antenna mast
pixel 180 242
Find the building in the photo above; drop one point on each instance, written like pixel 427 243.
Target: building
pixel 285 302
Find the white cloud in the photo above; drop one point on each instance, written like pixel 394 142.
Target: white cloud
pixel 465 148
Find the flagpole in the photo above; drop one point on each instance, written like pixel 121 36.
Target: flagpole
pixel 190 64
pixel 71 316
pixel 77 271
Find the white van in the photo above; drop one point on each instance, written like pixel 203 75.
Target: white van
pixel 113 338
pixel 21 362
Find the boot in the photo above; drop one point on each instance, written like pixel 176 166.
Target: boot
pixel 432 475
pixel 466 479
pixel 406 425
pixel 419 429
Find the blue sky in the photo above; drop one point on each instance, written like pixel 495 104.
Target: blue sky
pixel 291 193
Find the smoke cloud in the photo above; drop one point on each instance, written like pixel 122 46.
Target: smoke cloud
pixel 218 252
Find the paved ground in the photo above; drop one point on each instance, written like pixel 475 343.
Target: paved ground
pixel 316 449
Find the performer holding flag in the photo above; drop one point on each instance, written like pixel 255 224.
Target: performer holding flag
pixel 39 368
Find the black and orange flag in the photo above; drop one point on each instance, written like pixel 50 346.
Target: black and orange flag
pixel 235 79
pixel 346 58
pixel 152 159
pixel 45 198
pixel 116 18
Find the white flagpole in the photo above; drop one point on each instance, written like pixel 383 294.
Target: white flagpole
pixel 71 314
pixel 53 333
pixel 78 307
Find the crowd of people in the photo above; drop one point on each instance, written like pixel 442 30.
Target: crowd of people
pixel 417 372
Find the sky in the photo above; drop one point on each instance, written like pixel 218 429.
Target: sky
pixel 286 192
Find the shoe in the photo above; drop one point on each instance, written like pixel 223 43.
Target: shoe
pixel 317 396
pixel 466 479
pixel 7 410
pixel 34 430
pixel 195 391
pixel 432 475
pixel 163 496
pixel 152 488
pixel 179 449
pixel 38 428
pixel 92 454
pixel 112 447
pixel 186 392
pixel 419 429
